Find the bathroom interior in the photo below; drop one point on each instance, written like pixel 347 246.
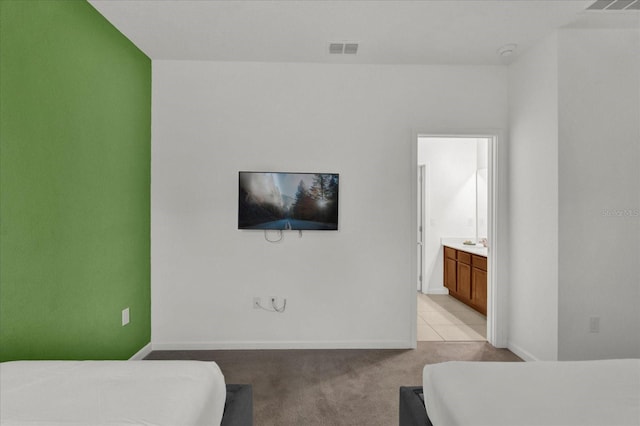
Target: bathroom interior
pixel 452 238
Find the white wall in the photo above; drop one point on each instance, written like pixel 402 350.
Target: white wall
pixel 482 201
pixel 482 188
pixel 533 202
pixel 350 288
pixel 574 198
pixel 599 180
pixel 451 193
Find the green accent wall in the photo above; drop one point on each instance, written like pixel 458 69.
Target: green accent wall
pixel 75 136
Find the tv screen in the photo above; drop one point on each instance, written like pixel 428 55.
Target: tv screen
pixel 297 201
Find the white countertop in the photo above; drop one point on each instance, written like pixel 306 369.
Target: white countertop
pixel 477 250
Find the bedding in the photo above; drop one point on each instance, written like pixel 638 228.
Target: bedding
pixel 566 393
pixel 111 392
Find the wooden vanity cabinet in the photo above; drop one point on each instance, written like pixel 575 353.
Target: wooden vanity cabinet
pixel 450 269
pixel 479 283
pixel 465 275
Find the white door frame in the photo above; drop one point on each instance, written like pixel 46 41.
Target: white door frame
pixel 497 274
pixel 421 225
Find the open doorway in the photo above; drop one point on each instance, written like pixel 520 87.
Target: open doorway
pixel 456 199
pixel 452 229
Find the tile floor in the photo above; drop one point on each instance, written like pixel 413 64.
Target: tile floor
pixel 443 318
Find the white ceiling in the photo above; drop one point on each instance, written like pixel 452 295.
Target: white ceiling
pixel 389 32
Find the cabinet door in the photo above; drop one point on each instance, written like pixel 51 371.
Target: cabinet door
pixel 479 289
pixel 450 274
pixel 464 281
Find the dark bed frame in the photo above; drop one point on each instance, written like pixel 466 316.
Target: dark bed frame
pixel 238 406
pixel 412 409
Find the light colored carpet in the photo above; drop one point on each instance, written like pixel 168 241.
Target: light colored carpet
pixel 334 387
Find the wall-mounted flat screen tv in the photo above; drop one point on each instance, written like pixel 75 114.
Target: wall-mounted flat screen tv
pixel 297 201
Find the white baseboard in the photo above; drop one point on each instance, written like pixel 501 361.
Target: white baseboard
pixel 394 344
pixel 442 290
pixel 146 350
pixel 525 355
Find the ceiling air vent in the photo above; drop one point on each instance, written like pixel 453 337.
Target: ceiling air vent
pixel 343 48
pixel 336 48
pixel 350 48
pixel 615 5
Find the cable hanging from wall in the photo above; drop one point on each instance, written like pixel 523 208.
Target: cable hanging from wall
pixel 266 236
pixel 274 306
pixel 281 234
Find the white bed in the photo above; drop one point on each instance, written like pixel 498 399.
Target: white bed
pixel 111 392
pixel 565 393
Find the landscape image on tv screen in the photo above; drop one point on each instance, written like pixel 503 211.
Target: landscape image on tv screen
pixel 297 201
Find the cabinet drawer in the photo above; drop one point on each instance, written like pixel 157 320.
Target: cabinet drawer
pixel 449 253
pixel 479 262
pixel 464 257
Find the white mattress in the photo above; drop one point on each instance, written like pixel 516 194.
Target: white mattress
pixel 562 393
pixel 111 392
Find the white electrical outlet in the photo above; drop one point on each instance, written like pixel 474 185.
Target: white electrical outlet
pixel 594 325
pixel 125 316
pixel 256 303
